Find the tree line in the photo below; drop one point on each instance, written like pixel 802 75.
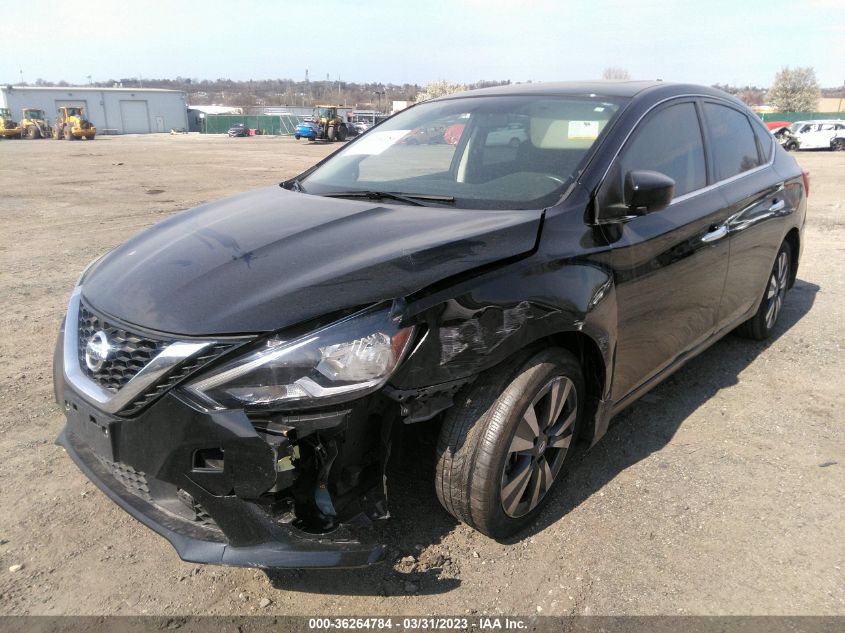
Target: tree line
pixel 793 90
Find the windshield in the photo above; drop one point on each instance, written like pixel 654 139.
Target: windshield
pixel 34 114
pixel 514 152
pixel 325 112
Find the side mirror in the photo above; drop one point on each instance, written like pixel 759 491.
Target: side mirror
pixel 648 191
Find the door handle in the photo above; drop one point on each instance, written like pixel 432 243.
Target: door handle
pixel 715 233
pixel 777 206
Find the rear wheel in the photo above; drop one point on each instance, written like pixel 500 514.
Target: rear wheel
pixel 68 134
pixel 838 145
pixel 514 142
pixel 33 132
pixel 504 443
pixel 761 325
pixel 791 146
pixel 330 133
pixel 342 133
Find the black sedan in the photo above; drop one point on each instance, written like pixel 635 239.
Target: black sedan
pixel 236 376
pixel 238 130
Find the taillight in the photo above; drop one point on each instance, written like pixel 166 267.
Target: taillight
pixel 806 175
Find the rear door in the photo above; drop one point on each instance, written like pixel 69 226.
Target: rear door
pixel 669 266
pixel 742 152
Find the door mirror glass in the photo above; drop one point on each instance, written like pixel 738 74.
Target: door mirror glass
pixel 648 191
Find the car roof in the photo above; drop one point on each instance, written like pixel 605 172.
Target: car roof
pixel 623 89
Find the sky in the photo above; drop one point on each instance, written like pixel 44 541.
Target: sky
pixel 737 42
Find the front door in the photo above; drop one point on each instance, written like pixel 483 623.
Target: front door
pixel 669 266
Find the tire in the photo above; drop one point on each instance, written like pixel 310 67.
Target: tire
pixel 67 133
pixel 838 145
pixel 331 133
pixel 791 146
pixel 762 324
pixel 489 473
pixel 297 136
pixel 514 142
pixel 91 138
pixel 33 132
pixel 342 133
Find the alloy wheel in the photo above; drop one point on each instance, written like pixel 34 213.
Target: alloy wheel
pixel 777 289
pixel 539 446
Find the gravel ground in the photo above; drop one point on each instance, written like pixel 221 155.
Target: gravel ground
pixel 721 492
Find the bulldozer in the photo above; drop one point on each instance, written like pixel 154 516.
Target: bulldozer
pixel 34 123
pixel 71 124
pixel 9 128
pixel 331 125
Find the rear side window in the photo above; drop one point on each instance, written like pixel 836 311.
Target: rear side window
pixel 731 139
pixel 670 142
pixel 764 140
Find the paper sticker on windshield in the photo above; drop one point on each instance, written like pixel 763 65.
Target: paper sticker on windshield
pixel 375 142
pixel 583 130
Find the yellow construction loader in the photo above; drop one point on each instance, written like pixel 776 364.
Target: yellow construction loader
pixel 71 124
pixel 34 123
pixel 9 128
pixel 331 125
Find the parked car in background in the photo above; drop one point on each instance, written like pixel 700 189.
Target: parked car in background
pixel 307 129
pixel 784 136
pixel 428 135
pixel 237 376
pixel 238 130
pixel 453 133
pixel 513 134
pixel 819 134
pixel 361 126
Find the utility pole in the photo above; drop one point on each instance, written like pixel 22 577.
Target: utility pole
pixel 841 94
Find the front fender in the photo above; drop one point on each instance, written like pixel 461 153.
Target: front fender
pixel 483 322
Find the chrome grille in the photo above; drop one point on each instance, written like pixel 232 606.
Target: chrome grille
pixel 176 376
pixel 130 352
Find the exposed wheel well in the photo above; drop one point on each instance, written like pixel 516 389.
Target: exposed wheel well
pixel 794 240
pixel 587 351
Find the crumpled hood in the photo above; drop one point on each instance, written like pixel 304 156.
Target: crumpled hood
pixel 271 258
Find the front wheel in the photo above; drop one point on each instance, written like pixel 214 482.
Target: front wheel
pixel 761 325
pixel 504 443
pixel 791 146
pixel 330 133
pixel 838 145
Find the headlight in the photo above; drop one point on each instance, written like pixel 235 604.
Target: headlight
pixel 342 361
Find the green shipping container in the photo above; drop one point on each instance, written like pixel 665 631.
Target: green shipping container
pixel 276 125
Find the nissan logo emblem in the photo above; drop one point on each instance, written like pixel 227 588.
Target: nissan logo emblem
pixel 97 351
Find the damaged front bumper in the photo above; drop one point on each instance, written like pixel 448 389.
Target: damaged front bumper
pixel 285 491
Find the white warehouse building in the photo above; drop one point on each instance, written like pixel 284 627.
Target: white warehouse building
pixel 111 110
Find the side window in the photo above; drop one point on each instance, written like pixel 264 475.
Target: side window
pixel 732 141
pixel 764 140
pixel 670 142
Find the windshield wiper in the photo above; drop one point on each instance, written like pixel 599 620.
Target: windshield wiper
pixel 292 185
pixel 418 199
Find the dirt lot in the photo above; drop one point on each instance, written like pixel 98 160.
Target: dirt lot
pixel 722 492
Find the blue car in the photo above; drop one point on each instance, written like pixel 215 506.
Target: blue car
pixel 307 130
